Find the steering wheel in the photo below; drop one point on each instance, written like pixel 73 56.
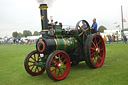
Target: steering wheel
pixel 82 32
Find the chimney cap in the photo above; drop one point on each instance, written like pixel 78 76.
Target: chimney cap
pixel 43 4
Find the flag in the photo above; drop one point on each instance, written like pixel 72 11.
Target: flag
pixel 124 20
pixel 115 23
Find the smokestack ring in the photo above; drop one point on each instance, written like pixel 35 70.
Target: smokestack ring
pixel 40 46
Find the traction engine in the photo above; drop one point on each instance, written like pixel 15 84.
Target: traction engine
pixel 57 50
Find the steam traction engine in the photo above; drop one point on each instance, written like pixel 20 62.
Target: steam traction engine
pixel 58 50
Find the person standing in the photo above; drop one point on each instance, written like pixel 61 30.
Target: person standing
pixel 105 39
pixel 84 25
pixel 117 38
pixel 112 38
pixel 125 39
pixel 94 26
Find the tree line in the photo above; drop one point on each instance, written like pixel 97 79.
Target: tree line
pixel 101 29
pixel 24 34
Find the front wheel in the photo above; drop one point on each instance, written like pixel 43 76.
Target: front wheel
pixel 94 51
pixel 58 65
pixel 30 66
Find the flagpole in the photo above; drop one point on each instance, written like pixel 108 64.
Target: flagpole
pixel 122 20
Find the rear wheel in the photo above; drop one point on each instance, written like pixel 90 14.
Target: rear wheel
pixel 30 66
pixel 58 65
pixel 94 51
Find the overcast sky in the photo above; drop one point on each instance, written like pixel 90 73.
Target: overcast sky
pixel 19 15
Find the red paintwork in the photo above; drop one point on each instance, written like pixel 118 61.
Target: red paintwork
pixel 43 46
pixel 63 72
pixel 31 59
pixel 97 43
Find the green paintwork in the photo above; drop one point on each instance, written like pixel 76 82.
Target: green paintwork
pixel 58 30
pixel 60 43
pixel 43 62
pixel 74 43
pixel 65 43
pixel 40 64
pixel 68 44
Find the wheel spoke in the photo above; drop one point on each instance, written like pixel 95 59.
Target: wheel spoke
pixel 96 42
pixel 93 44
pixel 37 69
pixel 38 57
pixel 93 49
pixel 53 70
pixel 63 61
pixel 62 57
pixel 31 65
pixel 99 57
pixel 59 58
pixel 64 69
pixel 32 58
pixel 93 53
pixel 99 42
pixel 35 57
pixel 94 57
pixel 80 34
pixel 79 26
pixel 60 71
pixel 31 61
pixel 54 60
pixel 32 68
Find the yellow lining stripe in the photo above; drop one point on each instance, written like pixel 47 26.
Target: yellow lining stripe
pixel 56 43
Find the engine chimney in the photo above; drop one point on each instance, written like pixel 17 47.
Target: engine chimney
pixel 44 20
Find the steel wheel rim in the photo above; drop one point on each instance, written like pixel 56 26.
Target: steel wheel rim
pixel 59 65
pixel 30 65
pixel 97 51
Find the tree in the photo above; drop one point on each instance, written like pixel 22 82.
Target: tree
pixel 15 34
pixel 101 29
pixel 20 35
pixel 27 33
pixel 35 33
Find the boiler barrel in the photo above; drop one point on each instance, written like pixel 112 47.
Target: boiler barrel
pixel 48 45
pixel 66 44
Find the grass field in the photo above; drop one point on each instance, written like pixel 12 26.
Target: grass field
pixel 113 72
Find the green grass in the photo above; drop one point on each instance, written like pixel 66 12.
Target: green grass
pixel 113 72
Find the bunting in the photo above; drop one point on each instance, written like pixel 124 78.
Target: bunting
pixel 124 20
